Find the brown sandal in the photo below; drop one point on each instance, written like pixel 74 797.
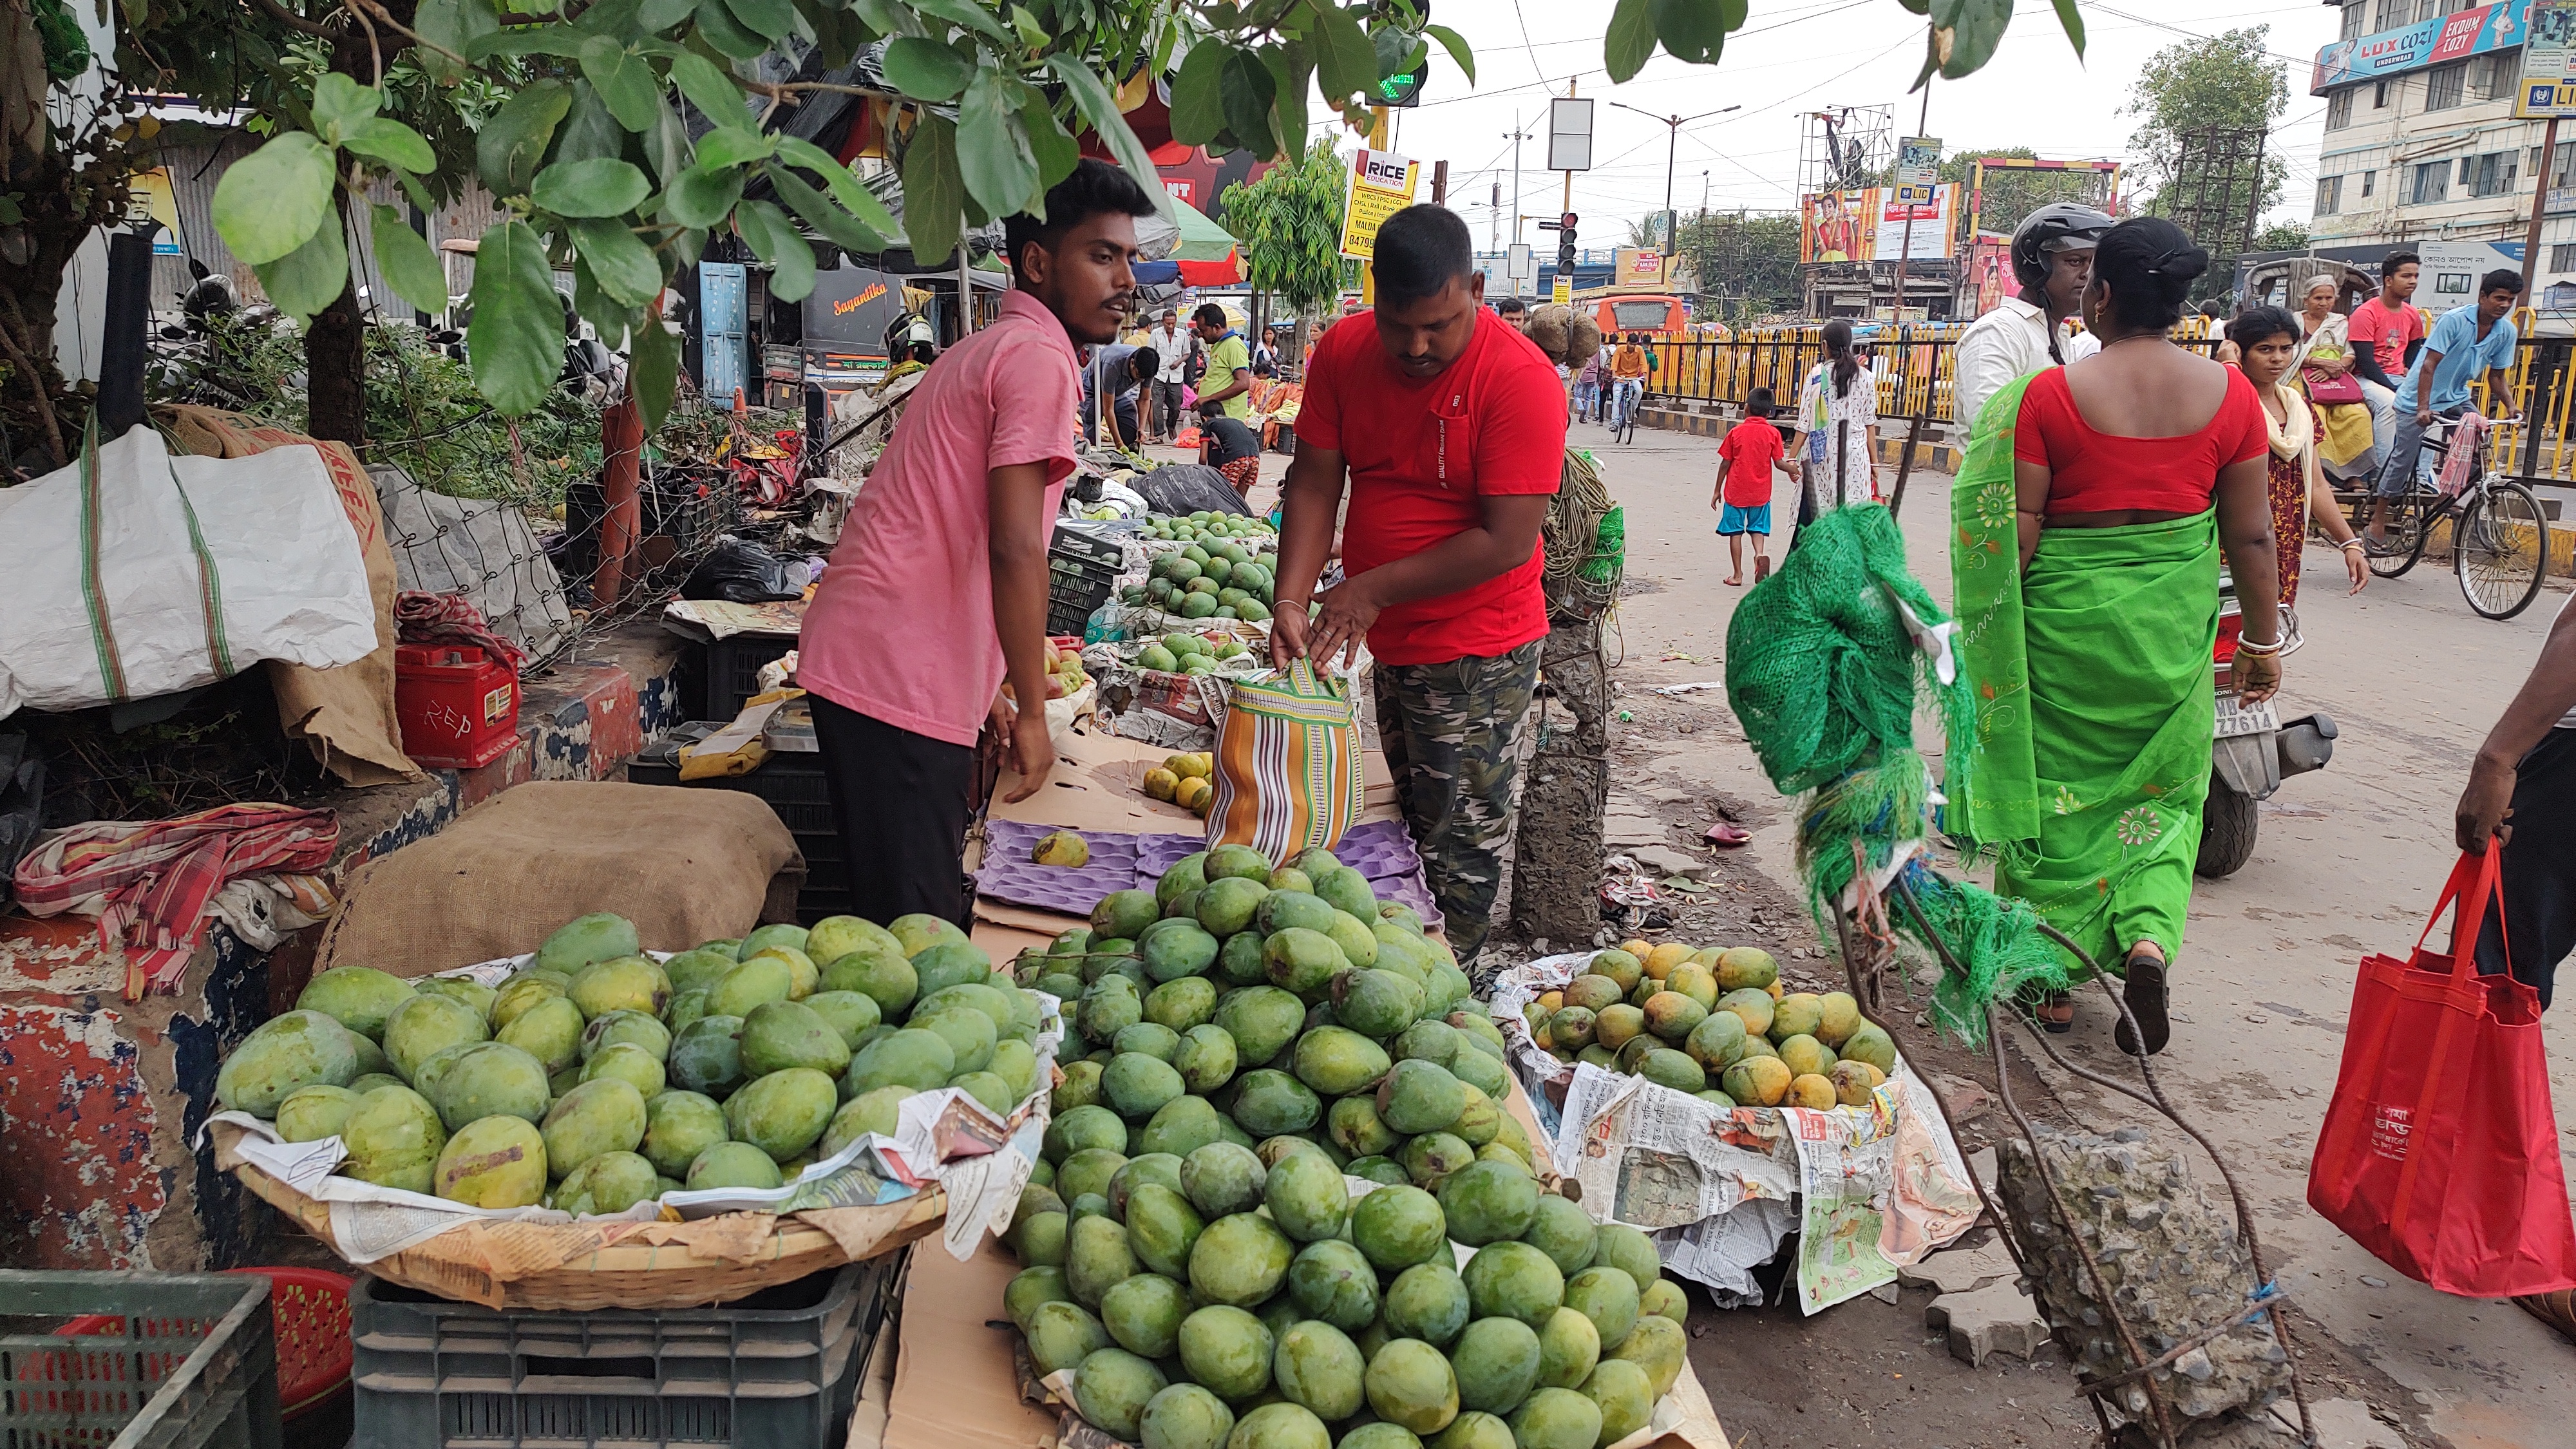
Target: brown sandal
pixel 2056 1013
pixel 2144 991
pixel 2557 1309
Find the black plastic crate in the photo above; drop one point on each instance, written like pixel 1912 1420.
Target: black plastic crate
pixel 797 792
pixel 779 1370
pixel 728 671
pixel 1081 572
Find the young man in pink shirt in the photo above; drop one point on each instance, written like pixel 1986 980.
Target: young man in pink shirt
pixel 937 592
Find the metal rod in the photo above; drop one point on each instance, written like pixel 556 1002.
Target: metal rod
pixel 1905 463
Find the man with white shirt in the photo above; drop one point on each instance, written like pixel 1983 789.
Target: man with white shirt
pixel 1172 343
pixel 2052 257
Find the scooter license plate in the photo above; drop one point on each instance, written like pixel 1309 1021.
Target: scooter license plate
pixel 2236 718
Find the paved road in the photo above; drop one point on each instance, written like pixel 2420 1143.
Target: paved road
pixel 2348 862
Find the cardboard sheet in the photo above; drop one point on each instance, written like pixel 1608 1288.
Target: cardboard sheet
pixel 954 1386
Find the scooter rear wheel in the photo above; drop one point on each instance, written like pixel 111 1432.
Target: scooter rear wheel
pixel 2227 824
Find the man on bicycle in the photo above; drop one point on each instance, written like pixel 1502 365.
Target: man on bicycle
pixel 1628 378
pixel 2466 342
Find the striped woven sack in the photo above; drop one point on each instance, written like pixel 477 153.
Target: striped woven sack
pixel 1287 765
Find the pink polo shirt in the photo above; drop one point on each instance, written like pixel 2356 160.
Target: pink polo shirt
pixel 901 629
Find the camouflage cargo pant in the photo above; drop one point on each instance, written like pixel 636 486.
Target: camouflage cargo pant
pixel 1447 731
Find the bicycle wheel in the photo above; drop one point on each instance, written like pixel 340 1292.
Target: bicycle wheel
pixel 2408 515
pixel 2500 549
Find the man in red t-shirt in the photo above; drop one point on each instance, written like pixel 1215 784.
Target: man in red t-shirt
pixel 2387 331
pixel 1450 426
pixel 1745 459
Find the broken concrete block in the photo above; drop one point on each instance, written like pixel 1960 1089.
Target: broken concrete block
pixel 1662 860
pixel 1960 1270
pixel 1998 1318
pixel 1982 1163
pixel 2347 1424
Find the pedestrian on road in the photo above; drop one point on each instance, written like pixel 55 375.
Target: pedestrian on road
pixel 1451 429
pixel 2130 473
pixel 1838 427
pixel 938 591
pixel 2388 332
pixel 1747 458
pixel 2268 340
pixel 1173 344
pixel 1627 380
pixel 1587 388
pixel 2466 342
pixel 1127 371
pixel 1230 447
pixel 2052 256
pixel 1229 364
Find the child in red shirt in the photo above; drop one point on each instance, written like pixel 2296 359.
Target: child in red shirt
pixel 1745 460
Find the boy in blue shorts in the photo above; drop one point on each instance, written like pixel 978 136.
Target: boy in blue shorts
pixel 1745 460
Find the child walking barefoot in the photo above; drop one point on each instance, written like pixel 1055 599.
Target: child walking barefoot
pixel 1745 461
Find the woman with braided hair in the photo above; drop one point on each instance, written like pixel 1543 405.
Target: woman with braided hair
pixel 2095 505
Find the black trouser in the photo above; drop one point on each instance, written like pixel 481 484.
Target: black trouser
pixel 903 802
pixel 2538 895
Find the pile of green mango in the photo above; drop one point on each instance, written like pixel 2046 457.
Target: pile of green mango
pixel 1263 1040
pixel 595 1077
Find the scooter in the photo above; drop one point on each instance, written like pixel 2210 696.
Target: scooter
pixel 2251 750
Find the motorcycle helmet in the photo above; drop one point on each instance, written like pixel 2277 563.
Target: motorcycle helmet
pixel 2057 227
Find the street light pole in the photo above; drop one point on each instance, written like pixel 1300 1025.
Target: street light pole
pixel 1672 146
pixel 1518 134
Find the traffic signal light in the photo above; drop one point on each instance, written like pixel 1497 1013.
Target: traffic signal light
pixel 1565 242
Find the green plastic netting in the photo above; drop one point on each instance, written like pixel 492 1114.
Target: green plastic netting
pixel 1824 670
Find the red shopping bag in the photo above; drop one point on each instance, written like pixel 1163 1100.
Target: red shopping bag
pixel 2440 1151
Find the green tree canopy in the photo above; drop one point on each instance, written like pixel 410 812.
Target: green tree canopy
pixel 2229 82
pixel 1291 224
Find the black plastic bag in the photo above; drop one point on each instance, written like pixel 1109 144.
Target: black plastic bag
pixel 22 789
pixel 1181 489
pixel 740 573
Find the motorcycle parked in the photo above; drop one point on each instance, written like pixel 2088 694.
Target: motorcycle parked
pixel 2251 750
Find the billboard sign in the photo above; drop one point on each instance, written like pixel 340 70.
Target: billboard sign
pixel 2545 83
pixel 1378 185
pixel 2474 31
pixel 1638 267
pixel 1870 225
pixel 2451 271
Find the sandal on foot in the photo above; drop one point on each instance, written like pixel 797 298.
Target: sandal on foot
pixel 2557 1309
pixel 2145 994
pixel 2055 1013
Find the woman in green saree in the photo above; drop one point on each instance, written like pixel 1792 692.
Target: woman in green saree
pixel 2091 513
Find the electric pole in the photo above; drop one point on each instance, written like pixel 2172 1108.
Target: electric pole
pixel 1672 145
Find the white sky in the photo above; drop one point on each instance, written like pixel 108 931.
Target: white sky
pixel 1802 55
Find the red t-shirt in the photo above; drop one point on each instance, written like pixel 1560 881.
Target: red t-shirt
pixel 2098 472
pixel 2389 332
pixel 1421 452
pixel 1750 449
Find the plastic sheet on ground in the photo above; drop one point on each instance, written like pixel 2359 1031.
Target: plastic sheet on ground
pixel 943 1139
pixel 1868 1189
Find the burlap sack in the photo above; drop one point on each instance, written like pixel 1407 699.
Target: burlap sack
pixel 684 865
pixel 345 715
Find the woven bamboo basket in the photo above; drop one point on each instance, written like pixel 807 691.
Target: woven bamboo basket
pixel 571 1269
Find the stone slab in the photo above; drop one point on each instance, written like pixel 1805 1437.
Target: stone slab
pixel 1998 1318
pixel 1960 1270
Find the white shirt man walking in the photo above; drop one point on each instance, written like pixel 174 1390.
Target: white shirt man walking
pixel 1171 342
pixel 2052 257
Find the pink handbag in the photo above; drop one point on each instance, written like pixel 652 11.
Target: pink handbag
pixel 2331 389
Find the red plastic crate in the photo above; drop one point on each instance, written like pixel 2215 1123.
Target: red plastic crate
pixel 458 707
pixel 310 1309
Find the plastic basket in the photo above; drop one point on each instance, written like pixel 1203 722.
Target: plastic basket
pixel 1082 571
pixel 309 1308
pixel 794 785
pixel 184 1359
pixel 778 1370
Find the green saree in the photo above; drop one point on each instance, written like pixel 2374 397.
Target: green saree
pixel 2091 669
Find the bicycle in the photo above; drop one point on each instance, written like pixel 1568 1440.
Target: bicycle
pixel 2499 536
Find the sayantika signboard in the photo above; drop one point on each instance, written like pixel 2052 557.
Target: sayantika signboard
pixel 2474 31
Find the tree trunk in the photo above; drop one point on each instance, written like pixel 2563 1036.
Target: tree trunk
pixel 1556 850
pixel 335 346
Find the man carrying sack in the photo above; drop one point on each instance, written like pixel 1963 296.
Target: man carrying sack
pixel 938 590
pixel 1451 428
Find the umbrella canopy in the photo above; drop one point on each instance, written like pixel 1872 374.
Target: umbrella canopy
pixel 1208 254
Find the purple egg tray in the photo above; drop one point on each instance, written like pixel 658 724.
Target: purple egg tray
pixel 1156 854
pixel 1009 875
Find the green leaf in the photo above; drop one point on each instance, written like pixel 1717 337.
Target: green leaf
pixel 623 80
pixel 1976 27
pixel 656 16
pixel 589 131
pixel 1054 148
pixel 925 69
pixel 1630 42
pixel 836 226
pixel 270 202
pixel 452 25
pixel 340 103
pixel 612 318
pixel 711 91
pixel 1248 92
pixel 1292 70
pixel 515 343
pixel 418 193
pixel 623 266
pixel 729 36
pixel 312 276
pixel 992 150
pixel 1693 30
pixel 405 261
pixel 562 40
pixel 1345 58
pixel 653 372
pixel 727 146
pixel 1099 109
pixel 702 196
pixel 967 13
pixel 779 243
pixel 602 186
pixel 1397 51
pixel 774 19
pixel 1198 94
pixel 666 146
pixel 511 143
pixel 605 17
pixel 393 143
pixel 1456 45
pixel 1026 26
pixel 2072 21
pixel 854 197
pixel 933 192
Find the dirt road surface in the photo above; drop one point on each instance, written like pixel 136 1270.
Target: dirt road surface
pixel 2348 862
